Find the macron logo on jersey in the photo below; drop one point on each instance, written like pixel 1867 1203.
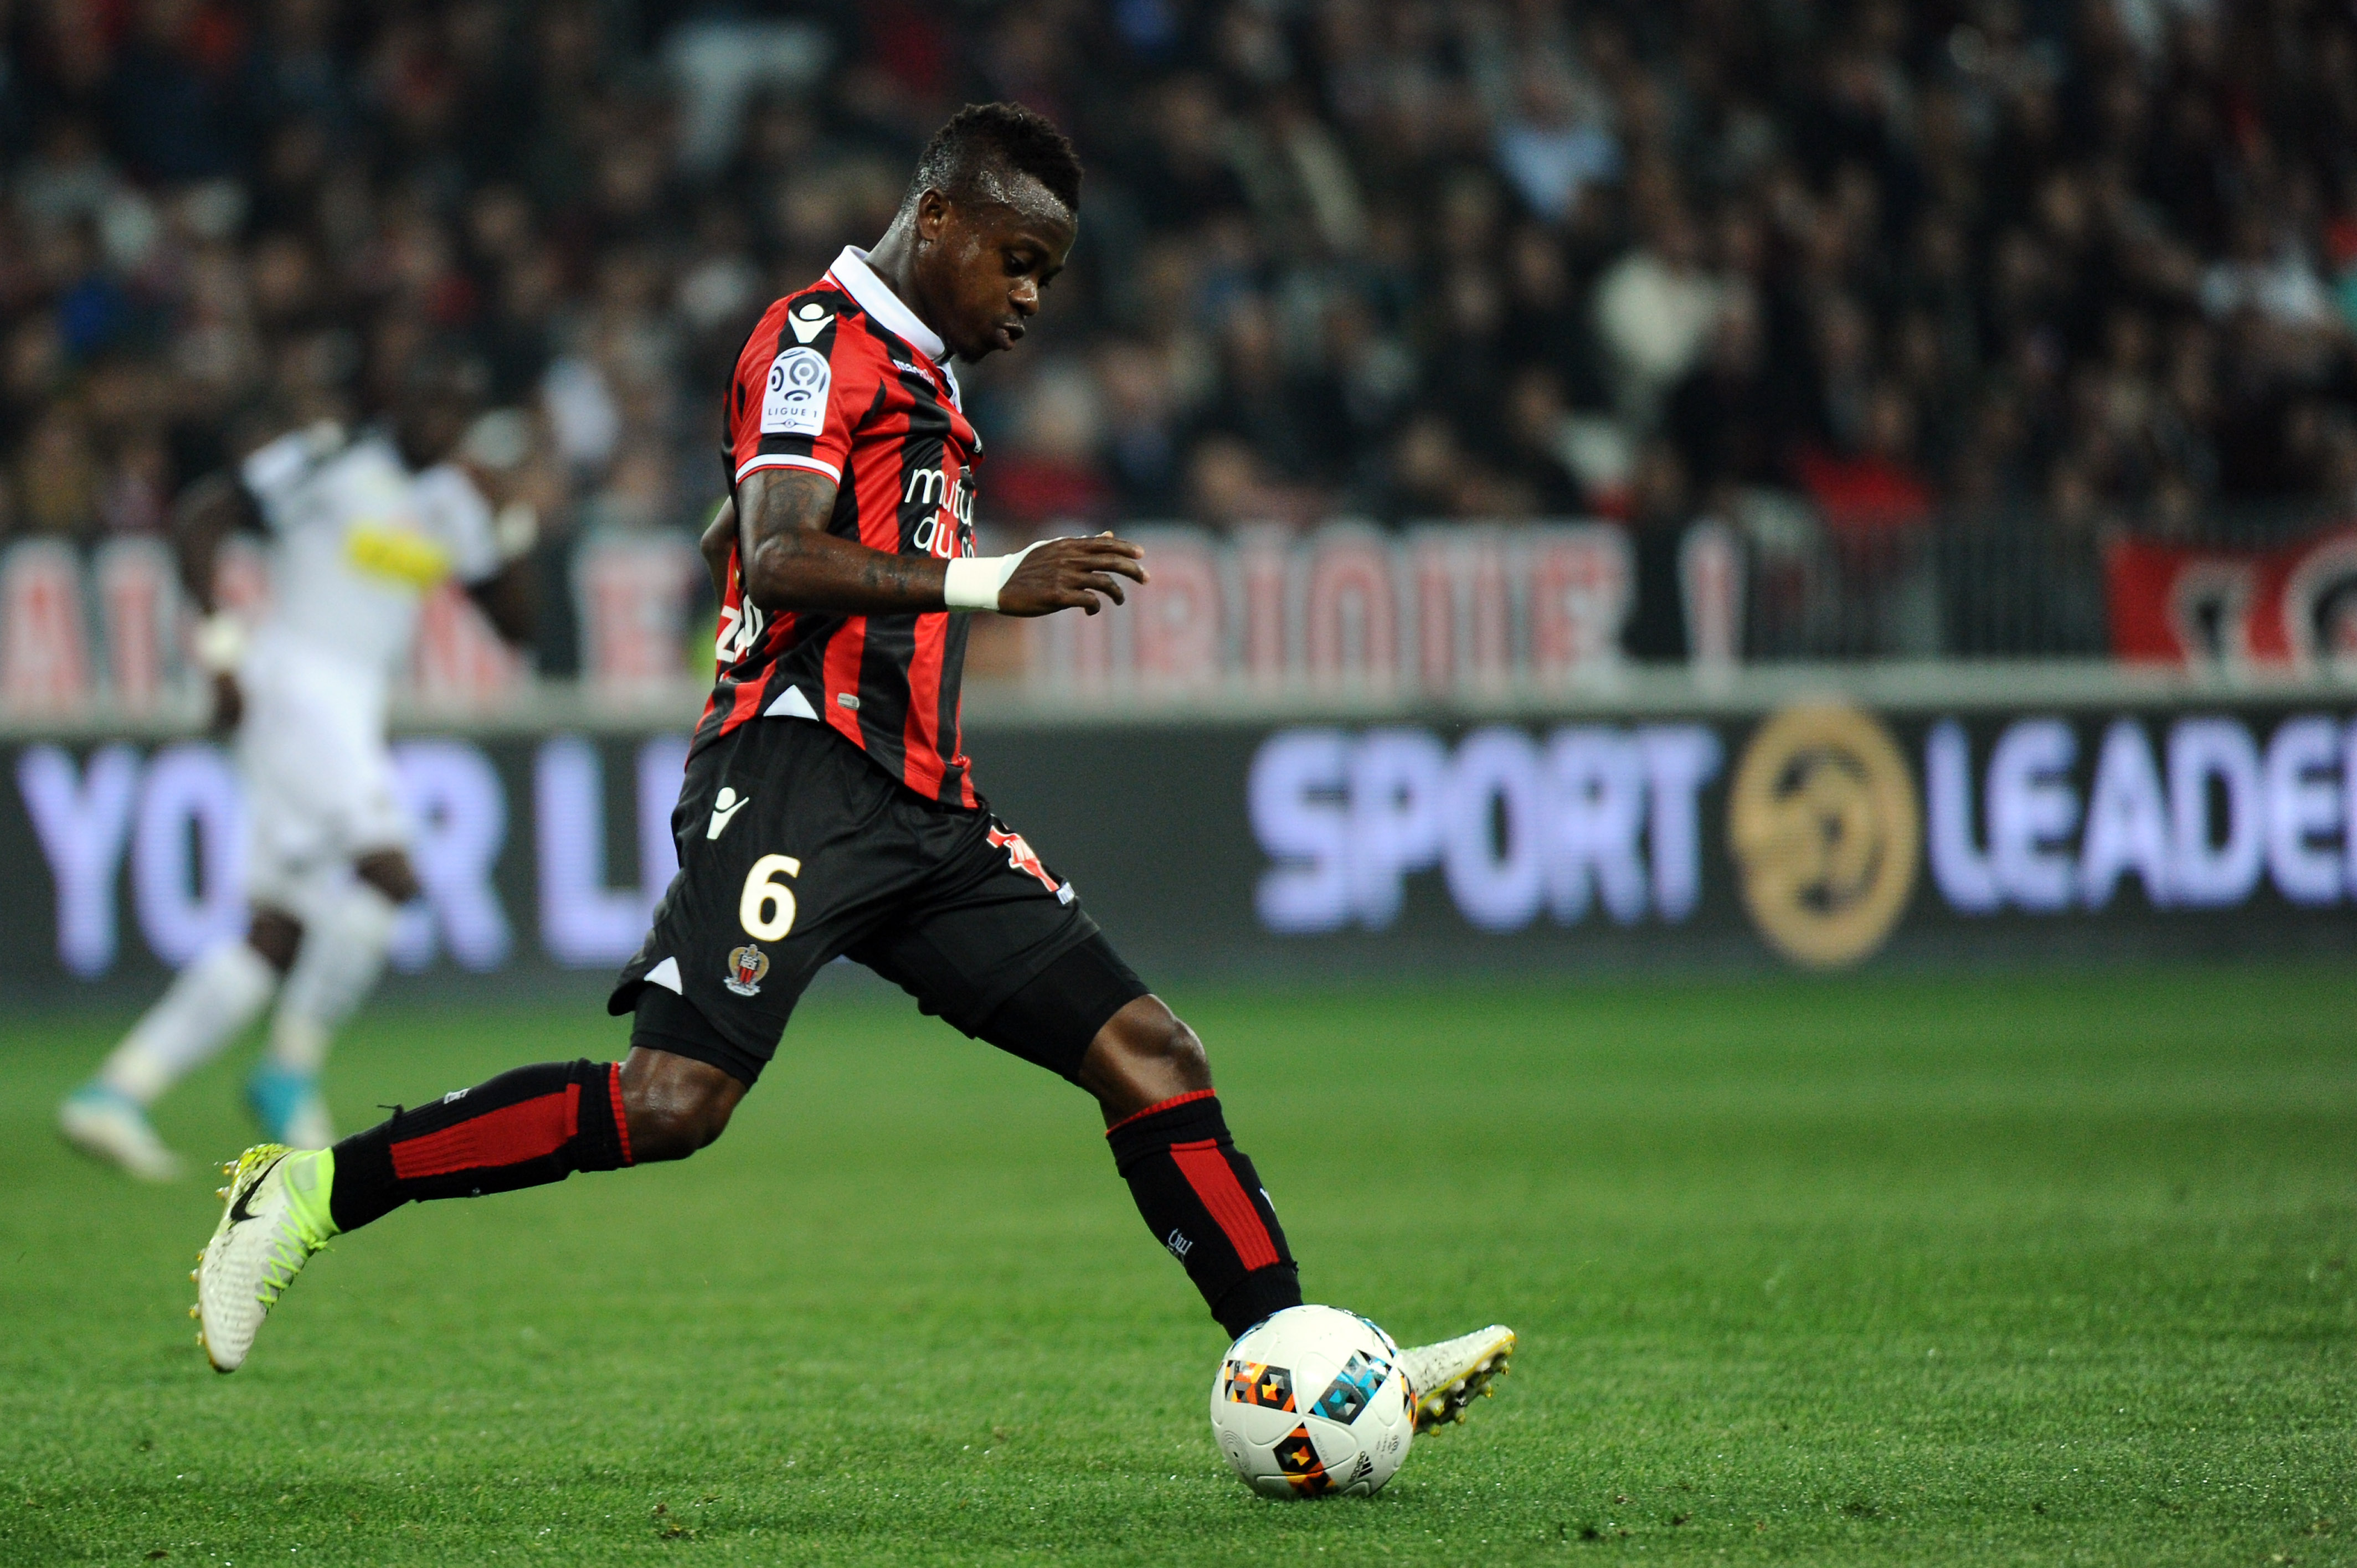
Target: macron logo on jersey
pixel 793 403
pixel 724 807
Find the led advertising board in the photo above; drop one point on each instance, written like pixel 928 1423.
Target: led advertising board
pixel 1822 836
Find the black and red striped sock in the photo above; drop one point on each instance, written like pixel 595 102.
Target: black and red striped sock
pixel 1204 1203
pixel 525 1128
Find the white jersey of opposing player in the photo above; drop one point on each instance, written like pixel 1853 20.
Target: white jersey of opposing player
pixel 359 541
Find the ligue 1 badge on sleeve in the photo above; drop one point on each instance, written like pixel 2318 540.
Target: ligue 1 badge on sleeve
pixel 747 967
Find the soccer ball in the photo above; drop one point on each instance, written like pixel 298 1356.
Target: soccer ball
pixel 1312 1403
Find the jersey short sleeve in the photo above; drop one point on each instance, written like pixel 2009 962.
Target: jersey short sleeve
pixel 273 472
pixel 804 383
pixel 455 512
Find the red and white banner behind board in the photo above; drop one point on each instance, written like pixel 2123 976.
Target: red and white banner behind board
pixel 137 590
pixel 114 625
pixel 633 592
pixel 44 648
pixel 459 659
pixel 1344 608
pixel 1351 607
pixel 2294 606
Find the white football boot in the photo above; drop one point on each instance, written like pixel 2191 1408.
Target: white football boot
pixel 276 1216
pixel 1451 1374
pixel 108 1124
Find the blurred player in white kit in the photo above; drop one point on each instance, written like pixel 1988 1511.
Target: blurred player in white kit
pixel 361 525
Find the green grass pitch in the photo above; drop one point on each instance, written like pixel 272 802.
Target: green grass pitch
pixel 2044 1270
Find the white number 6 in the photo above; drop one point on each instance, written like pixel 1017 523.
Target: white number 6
pixel 767 909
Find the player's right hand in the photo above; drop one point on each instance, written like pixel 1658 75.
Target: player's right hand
pixel 229 703
pixel 1069 573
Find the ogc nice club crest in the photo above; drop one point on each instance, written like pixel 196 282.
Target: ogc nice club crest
pixel 747 967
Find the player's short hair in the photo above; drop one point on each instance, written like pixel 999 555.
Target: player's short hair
pixel 985 142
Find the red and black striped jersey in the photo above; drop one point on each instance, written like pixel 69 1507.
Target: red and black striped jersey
pixel 843 380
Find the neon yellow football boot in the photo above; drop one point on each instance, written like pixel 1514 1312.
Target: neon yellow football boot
pixel 1453 1373
pixel 276 1217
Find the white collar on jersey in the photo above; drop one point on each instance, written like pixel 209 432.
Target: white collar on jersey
pixel 875 297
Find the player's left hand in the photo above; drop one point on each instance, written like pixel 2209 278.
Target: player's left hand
pixel 1069 573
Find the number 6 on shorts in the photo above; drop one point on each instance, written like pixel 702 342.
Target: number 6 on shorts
pixel 767 909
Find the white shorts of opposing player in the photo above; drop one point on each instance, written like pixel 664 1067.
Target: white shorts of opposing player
pixel 320 788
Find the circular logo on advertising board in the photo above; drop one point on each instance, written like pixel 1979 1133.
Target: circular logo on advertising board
pixel 1822 821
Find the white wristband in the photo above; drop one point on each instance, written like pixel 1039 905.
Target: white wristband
pixel 972 582
pixel 219 642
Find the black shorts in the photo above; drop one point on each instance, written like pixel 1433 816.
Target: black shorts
pixel 795 849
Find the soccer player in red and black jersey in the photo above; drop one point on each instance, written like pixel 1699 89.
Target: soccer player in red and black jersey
pixel 829 808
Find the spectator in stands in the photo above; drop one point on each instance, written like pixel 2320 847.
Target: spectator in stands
pixel 1047 472
pixel 1657 514
pixel 1225 486
pixel 1655 308
pixel 1536 454
pixel 1369 255
pixel 1870 485
pixel 1725 418
pixel 1553 144
pixel 1140 437
pixel 57 475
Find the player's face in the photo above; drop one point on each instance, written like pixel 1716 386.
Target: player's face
pixel 430 424
pixel 985 264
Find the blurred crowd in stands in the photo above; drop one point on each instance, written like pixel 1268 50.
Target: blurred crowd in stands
pixel 1398 259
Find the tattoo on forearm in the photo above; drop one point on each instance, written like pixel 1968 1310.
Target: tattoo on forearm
pixel 793 563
